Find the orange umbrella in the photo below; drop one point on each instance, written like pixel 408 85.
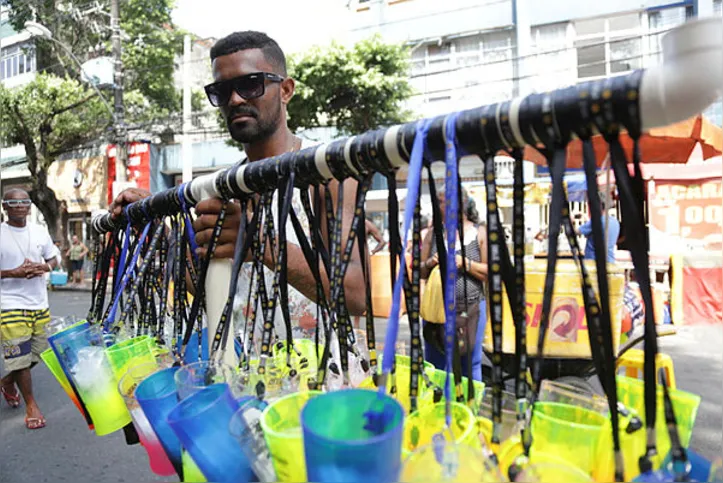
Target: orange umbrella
pixel 670 144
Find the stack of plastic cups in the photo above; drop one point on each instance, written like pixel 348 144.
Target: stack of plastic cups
pixel 189 380
pixel 281 424
pixel 56 366
pixel 83 352
pixel 201 422
pixel 157 396
pixel 353 435
pixel 159 462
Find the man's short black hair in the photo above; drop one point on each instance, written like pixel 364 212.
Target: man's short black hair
pixel 251 39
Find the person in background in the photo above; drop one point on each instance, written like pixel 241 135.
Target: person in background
pixel 26 254
pixel 475 242
pixel 613 232
pixel 375 233
pixel 76 253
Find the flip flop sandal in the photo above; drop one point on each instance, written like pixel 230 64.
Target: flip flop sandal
pixel 35 423
pixel 13 400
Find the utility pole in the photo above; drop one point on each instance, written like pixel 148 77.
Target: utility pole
pixel 186 146
pixel 119 115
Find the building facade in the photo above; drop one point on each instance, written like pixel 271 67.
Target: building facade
pixel 466 53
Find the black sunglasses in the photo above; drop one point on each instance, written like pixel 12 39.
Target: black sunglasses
pixel 249 86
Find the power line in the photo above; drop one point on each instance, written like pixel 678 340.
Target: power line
pixel 428 15
pixel 528 76
pixel 649 35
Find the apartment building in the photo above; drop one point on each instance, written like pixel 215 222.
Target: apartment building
pixel 473 52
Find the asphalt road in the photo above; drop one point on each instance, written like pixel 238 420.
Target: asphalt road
pixel 66 451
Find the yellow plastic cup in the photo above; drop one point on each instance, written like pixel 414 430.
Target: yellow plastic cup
pixel 422 466
pixel 281 423
pixel 571 432
pixel 423 424
pixel 130 353
pixel 553 473
pixel 438 377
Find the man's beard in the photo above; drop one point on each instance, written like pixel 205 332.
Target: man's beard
pixel 253 132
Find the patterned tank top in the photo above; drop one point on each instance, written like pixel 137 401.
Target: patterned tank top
pixel 475 288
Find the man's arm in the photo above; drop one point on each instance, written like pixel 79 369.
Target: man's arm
pixel 299 273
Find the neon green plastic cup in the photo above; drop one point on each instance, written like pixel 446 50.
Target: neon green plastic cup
pixel 571 432
pixel 421 426
pixel 281 422
pixel 130 353
pixel 553 473
pixel 423 466
pixel 631 393
pixel 402 380
pixel 438 377
pixel 191 473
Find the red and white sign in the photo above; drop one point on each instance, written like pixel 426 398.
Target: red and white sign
pixel 138 169
pixel 692 209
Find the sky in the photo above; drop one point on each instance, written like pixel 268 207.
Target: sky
pixel 292 23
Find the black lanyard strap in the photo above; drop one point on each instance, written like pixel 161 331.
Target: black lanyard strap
pixel 150 253
pixel 196 316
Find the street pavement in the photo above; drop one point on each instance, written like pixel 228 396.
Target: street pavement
pixel 67 451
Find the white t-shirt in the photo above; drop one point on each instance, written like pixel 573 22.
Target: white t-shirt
pixel 16 244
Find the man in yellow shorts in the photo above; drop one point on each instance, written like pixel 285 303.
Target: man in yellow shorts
pixel 26 253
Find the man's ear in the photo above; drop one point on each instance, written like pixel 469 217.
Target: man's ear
pixel 287 90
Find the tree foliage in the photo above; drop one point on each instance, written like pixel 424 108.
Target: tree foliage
pixel 56 112
pixel 50 116
pixel 352 89
pixel 150 43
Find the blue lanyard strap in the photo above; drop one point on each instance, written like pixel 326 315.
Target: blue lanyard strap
pixel 127 273
pixel 413 182
pixel 451 220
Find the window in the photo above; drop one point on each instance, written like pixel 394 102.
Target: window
pixel 607 46
pixel 659 22
pixel 718 7
pixel 16 60
pixel 590 57
pixel 439 54
pixel 554 63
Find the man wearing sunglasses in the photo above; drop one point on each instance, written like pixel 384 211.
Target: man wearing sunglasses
pixel 26 254
pixel 252 89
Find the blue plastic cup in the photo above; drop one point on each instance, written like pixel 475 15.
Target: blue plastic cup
pixel 157 396
pixel 201 422
pixel 54 330
pixel 352 435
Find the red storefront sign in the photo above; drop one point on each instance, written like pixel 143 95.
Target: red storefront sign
pixel 138 169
